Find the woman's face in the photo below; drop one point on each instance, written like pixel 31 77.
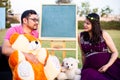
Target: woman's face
pixel 87 26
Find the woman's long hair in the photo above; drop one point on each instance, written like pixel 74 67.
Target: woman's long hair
pixel 96 28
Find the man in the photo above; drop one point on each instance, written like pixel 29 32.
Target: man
pixel 29 25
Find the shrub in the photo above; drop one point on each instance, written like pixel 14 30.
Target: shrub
pixel 110 25
pixel 105 25
pixel 7 25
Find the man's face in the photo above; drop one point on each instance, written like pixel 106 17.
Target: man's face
pixel 32 22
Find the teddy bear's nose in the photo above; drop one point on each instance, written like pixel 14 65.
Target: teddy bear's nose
pixel 68 67
pixel 36 42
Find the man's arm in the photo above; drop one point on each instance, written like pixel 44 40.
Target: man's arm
pixel 7 48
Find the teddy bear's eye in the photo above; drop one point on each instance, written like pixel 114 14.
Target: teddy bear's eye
pixel 36 42
pixel 71 64
pixel 66 63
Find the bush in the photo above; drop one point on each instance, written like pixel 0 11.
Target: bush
pixel 110 25
pixel 105 25
pixel 80 24
pixel 8 25
pixel 11 20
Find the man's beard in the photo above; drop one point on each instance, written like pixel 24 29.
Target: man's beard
pixel 35 27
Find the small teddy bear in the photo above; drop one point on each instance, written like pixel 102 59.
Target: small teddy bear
pixel 69 69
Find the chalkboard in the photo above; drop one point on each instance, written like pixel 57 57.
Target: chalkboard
pixel 58 21
pixel 2 18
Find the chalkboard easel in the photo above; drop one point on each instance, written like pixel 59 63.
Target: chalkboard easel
pixel 2 18
pixel 58 23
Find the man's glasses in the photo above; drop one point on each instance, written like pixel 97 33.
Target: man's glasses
pixel 34 19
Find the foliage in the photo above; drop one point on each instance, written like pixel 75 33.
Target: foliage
pixel 80 24
pixel 111 25
pixel 63 1
pixel 11 20
pixel 95 10
pixel 104 25
pixel 6 4
pixel 8 25
pixel 113 33
pixel 105 11
pixel 84 9
pixel 1 3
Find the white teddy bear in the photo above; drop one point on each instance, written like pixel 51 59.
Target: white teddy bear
pixel 69 70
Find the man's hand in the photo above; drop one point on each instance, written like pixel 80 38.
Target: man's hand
pixel 32 58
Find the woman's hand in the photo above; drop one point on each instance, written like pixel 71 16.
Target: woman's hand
pixel 103 68
pixel 31 57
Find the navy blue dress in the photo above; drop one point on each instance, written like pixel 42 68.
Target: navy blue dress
pixel 97 56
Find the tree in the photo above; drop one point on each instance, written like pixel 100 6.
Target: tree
pixel 6 4
pixel 105 11
pixel 63 1
pixel 85 8
pixel 1 3
pixel 95 10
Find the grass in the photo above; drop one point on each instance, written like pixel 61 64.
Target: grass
pixel 2 34
pixel 113 33
pixel 110 25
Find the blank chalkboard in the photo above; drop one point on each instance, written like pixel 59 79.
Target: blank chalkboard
pixel 58 21
pixel 2 18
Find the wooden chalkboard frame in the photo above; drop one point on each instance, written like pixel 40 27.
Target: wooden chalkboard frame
pixel 66 12
pixel 2 18
pixel 58 21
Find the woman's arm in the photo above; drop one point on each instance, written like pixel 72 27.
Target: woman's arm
pixel 82 53
pixel 112 48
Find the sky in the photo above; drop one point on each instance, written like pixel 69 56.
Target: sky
pixel 18 6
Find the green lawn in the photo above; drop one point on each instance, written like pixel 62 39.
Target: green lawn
pixel 2 34
pixel 114 34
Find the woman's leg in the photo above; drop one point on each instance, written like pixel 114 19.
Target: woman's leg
pixel 92 74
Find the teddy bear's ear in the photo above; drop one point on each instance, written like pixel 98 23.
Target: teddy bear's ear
pixel 40 41
pixel 13 38
pixel 64 59
pixel 77 60
pixel 30 37
pixel 62 64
